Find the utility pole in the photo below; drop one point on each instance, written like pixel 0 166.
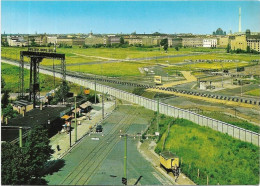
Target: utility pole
pixel 70 135
pixel 103 106
pixel 115 102
pixel 222 73
pixel 21 137
pixel 241 81
pixel 75 120
pixel 125 158
pixel 158 114
pixel 95 89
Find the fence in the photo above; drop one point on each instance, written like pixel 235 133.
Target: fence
pixel 169 110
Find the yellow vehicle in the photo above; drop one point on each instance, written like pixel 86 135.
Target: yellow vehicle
pixel 158 80
pixel 170 162
pixel 87 91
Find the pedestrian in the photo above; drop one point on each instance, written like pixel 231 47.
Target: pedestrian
pixel 58 147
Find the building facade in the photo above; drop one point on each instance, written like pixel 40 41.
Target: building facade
pixel 210 43
pixel 222 42
pixel 113 39
pixel 253 42
pixel 192 42
pixel 238 42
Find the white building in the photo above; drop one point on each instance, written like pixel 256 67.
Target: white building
pixel 16 41
pixel 210 43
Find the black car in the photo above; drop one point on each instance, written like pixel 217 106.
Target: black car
pixel 99 128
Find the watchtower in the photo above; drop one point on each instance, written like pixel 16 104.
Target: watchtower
pixel 36 56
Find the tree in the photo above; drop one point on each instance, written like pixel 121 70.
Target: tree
pixel 177 48
pixel 61 93
pixel 248 49
pixel 164 43
pixel 4 100
pixel 38 149
pixel 14 169
pixel 24 165
pixel 228 48
pixel 2 83
pixel 122 41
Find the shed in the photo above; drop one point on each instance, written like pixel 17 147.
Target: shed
pixel 22 106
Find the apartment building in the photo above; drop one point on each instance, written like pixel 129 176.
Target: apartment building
pixel 192 42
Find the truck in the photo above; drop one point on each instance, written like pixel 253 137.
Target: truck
pixel 170 162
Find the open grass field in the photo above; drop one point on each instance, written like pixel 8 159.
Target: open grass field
pixel 78 55
pixel 225 160
pixel 10 74
pixel 110 69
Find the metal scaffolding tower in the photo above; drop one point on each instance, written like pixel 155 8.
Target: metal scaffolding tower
pixel 36 56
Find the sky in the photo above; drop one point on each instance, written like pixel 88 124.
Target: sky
pixel 63 17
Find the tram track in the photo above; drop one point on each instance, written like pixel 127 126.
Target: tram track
pixel 92 161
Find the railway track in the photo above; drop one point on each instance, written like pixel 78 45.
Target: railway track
pixel 81 174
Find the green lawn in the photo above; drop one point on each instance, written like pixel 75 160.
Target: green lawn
pixel 10 73
pixel 225 160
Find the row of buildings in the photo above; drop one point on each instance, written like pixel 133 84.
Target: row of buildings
pixel 236 41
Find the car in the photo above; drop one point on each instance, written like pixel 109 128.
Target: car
pixel 99 128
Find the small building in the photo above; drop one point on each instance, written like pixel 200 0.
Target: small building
pixel 22 106
pixel 86 107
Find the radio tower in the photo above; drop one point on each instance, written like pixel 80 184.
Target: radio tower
pixel 239 25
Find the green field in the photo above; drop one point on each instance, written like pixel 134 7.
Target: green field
pixel 255 92
pixel 10 74
pixel 110 69
pixel 225 160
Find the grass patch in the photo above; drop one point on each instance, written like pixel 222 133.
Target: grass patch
pixel 10 73
pixel 226 161
pixel 255 92
pixel 110 69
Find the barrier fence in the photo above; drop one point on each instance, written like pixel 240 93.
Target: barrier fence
pixel 169 110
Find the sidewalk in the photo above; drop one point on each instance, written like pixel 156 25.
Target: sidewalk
pixel 63 139
pixel 147 150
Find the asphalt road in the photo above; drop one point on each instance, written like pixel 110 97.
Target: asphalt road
pixel 100 162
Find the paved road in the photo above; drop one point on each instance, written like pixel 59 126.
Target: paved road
pixel 101 161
